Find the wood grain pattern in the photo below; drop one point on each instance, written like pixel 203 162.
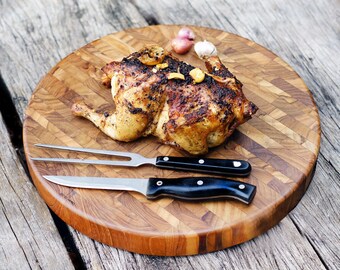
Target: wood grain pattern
pixel 28 235
pixel 281 142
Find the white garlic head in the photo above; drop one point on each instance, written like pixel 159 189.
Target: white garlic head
pixel 205 49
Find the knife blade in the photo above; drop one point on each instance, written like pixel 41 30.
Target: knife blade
pixel 226 167
pixel 186 188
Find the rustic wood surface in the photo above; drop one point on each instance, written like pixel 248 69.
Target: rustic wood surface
pixel 37 34
pixel 281 142
pixel 28 235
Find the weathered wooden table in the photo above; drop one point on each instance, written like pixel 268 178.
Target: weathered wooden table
pixel 36 34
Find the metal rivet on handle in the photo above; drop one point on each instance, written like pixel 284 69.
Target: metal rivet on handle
pixel 241 186
pixel 159 183
pixel 166 159
pixel 201 161
pixel 237 164
pixel 200 182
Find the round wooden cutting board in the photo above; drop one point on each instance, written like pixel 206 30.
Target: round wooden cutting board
pixel 281 142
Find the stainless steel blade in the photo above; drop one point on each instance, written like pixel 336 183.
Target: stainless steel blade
pixel 129 184
pixel 128 163
pixel 135 159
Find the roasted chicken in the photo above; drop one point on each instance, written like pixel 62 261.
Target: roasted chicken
pixel 156 94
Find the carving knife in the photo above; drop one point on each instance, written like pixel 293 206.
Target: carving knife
pixel 188 188
pixel 226 167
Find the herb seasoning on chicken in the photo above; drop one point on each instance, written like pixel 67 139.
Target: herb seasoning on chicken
pixel 167 102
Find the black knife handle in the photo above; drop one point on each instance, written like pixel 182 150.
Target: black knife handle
pixel 200 188
pixel 228 167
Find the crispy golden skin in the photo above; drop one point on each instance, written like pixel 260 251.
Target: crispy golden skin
pixel 193 116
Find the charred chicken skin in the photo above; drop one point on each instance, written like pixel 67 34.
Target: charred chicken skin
pixel 156 94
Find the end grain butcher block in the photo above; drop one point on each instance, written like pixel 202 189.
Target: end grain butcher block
pixel 281 142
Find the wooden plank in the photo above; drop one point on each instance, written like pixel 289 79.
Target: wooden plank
pixel 280 248
pixel 317 216
pixel 282 27
pixel 28 236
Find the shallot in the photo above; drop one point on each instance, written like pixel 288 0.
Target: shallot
pixel 184 41
pixel 181 45
pixel 186 33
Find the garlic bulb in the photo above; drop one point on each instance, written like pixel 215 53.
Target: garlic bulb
pixel 204 49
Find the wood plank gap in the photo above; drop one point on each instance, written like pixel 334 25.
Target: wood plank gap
pixel 12 122
pixel 14 128
pixel 149 18
pixel 310 243
pixel 329 161
pixel 10 116
pixel 68 241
